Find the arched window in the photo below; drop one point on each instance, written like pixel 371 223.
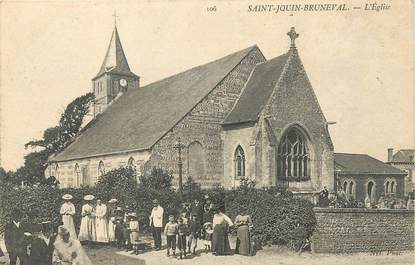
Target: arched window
pixel 77 176
pixel 351 188
pixel 239 160
pixel 345 186
pixel 293 158
pixel 371 191
pixel 196 160
pixel 131 162
pixel 390 186
pixel 101 169
pixel 387 187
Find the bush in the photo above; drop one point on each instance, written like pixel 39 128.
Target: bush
pixel 278 217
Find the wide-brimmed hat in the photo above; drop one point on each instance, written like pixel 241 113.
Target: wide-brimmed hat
pixel 62 230
pixel 89 197
pixel 155 201
pixel 118 209
pixel 67 197
pixel 132 215
pixel 113 200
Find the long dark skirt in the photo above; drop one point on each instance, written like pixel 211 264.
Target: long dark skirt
pixel 220 241
pixel 243 244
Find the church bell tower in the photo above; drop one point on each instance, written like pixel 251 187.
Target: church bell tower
pixel 114 77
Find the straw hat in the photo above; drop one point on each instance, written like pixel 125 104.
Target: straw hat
pixel 113 200
pixel 67 197
pixel 118 209
pixel 89 197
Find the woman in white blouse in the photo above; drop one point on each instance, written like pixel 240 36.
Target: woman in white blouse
pixel 221 224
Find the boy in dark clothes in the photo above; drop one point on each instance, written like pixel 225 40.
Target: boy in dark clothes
pixel 195 227
pixel 183 231
pixel 42 246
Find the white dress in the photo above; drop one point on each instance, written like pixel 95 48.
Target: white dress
pixel 101 224
pixel 111 226
pixel 67 212
pixel 87 229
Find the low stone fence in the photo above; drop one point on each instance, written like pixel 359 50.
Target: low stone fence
pixel 350 230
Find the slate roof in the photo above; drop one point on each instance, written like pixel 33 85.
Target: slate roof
pixel 362 164
pixel 140 117
pixel 257 91
pixel 115 60
pixel 403 156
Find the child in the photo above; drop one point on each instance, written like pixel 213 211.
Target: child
pixel 194 226
pixel 207 235
pixel 170 231
pixel 134 228
pixel 126 232
pixel 119 222
pixel 183 231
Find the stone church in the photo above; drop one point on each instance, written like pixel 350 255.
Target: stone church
pixel 240 116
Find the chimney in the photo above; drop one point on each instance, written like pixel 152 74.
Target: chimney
pixel 390 154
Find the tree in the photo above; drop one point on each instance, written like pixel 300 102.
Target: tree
pixel 54 140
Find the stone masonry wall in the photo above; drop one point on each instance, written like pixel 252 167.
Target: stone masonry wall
pixel 293 103
pixel 202 124
pixel 363 230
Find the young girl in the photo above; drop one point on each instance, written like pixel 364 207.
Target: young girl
pixel 134 228
pixel 207 232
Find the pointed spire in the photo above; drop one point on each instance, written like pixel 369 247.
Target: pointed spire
pixel 115 60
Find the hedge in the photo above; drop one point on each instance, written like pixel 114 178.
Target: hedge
pixel 277 216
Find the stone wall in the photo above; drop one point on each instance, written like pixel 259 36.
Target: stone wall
pixel 363 230
pixel 361 181
pixel 203 124
pixel 87 173
pixel 293 103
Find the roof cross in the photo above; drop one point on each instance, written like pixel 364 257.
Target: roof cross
pixel 293 35
pixel 115 17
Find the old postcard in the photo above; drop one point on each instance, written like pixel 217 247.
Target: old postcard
pixel 207 132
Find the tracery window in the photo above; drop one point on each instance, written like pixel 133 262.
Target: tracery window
pixel 293 157
pixel 101 169
pixel 239 160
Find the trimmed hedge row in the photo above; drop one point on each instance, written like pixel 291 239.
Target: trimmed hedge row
pixel 277 216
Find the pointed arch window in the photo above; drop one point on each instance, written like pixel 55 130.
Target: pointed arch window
pixel 101 168
pixel 293 156
pixel 131 162
pixel 239 159
pixel 77 176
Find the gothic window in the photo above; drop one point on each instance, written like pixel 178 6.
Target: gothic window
pixel 349 188
pixel 85 175
pixel 77 176
pixel 390 185
pixel 101 169
pixel 196 160
pixel 131 162
pixel 239 160
pixel 293 158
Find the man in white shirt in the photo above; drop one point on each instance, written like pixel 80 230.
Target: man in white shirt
pixel 156 223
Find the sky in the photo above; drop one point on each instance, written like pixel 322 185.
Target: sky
pixel 359 62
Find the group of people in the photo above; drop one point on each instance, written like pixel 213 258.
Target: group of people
pixel 97 221
pixel 195 222
pixel 43 247
pixel 343 200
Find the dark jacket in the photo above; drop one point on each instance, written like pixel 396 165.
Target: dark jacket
pixel 14 238
pixel 195 228
pixel 41 253
pixel 198 211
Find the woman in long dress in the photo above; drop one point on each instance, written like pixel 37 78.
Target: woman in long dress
pixel 243 242
pixel 101 224
pixel 220 241
pixel 111 221
pixel 68 211
pixel 68 251
pixel 87 229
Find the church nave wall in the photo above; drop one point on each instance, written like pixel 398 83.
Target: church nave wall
pixel 202 124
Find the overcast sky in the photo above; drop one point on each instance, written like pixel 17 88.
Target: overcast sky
pixel 359 62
